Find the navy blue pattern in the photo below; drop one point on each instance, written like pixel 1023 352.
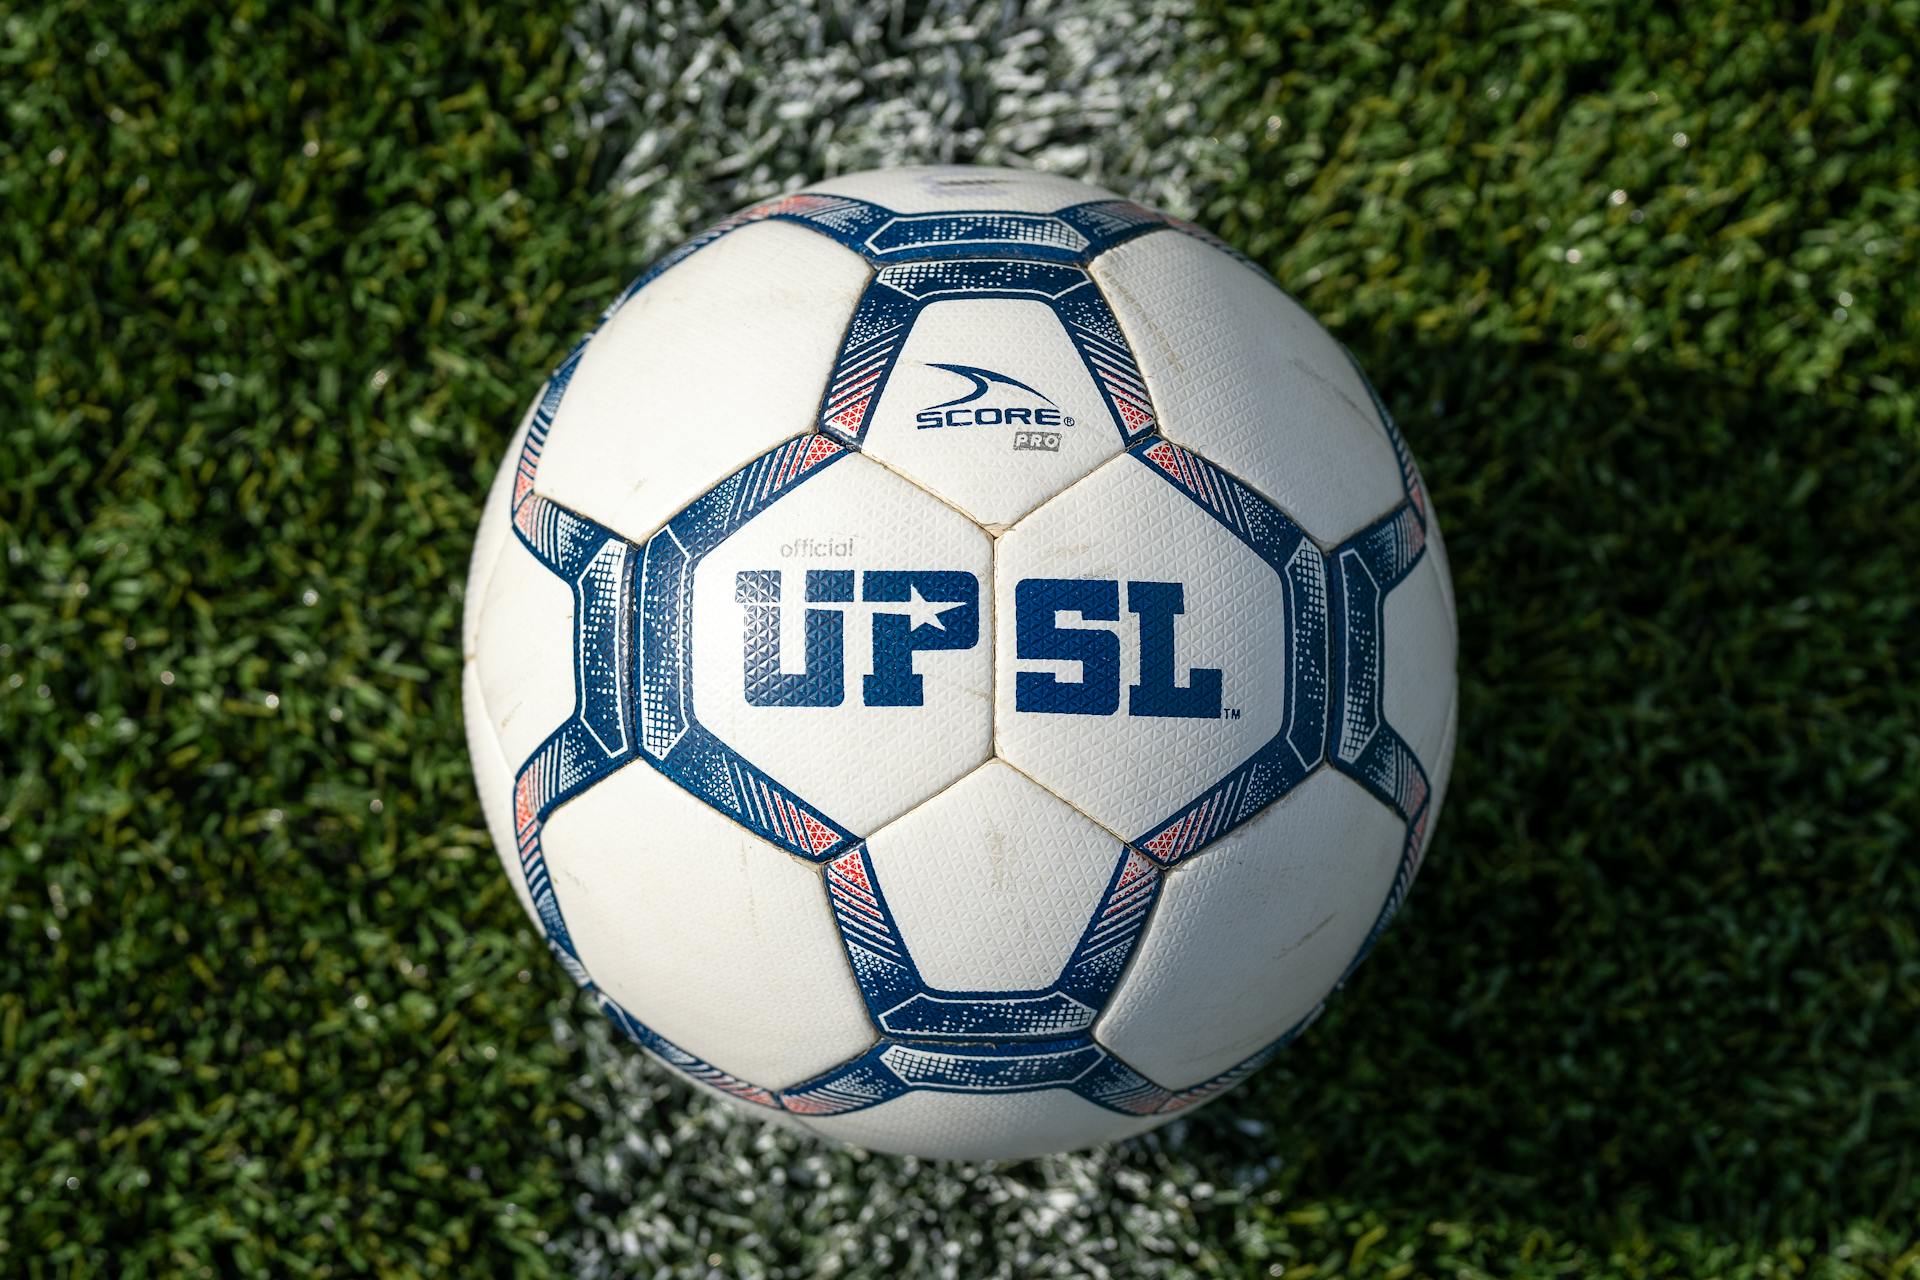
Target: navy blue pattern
pixel 597 738
pixel 1076 1064
pixel 1362 744
pixel 1299 743
pixel 905 1007
pixel 898 292
pixel 671 737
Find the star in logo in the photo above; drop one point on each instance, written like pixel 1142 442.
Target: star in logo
pixel 922 612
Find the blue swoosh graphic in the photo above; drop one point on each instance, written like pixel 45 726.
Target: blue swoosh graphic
pixel 982 379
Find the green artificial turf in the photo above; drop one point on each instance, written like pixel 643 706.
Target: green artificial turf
pixel 1643 283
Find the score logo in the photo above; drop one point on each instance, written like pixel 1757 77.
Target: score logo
pixel 1038 425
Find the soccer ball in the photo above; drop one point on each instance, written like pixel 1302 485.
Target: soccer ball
pixel 961 662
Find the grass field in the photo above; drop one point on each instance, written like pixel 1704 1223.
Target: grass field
pixel 1643 284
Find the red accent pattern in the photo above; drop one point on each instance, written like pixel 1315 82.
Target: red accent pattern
pixel 523 802
pixel 818 836
pixel 851 867
pixel 1165 845
pixel 791 470
pixel 1121 900
pixel 1419 841
pixel 818 451
pixel 783 204
pixel 1136 418
pixel 789 817
pixel 850 418
pixel 1417 794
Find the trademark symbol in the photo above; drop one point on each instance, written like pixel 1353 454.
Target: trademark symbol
pixel 1229 713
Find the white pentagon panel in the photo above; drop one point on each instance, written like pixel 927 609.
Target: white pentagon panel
pixel 1125 526
pixel 993 881
pixel 1419 661
pixel 900 579
pixel 982 1127
pixel 941 187
pixel 1253 934
pixel 713 938
pixel 717 360
pixel 524 652
pixel 1240 373
pixel 990 407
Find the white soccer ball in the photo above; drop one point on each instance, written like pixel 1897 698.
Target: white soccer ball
pixel 959 661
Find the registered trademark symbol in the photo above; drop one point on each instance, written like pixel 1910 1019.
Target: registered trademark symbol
pixel 1066 422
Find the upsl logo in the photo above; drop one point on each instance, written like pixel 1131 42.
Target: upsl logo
pixel 1036 425
pixel 1058 622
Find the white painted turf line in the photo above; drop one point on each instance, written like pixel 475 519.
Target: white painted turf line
pixel 699 110
pixel 672 1183
pixel 708 108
